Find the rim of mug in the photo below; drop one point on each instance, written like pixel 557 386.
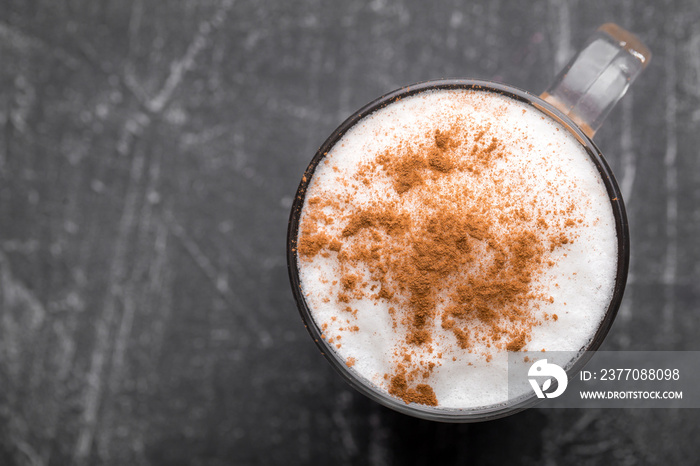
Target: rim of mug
pixel 454 414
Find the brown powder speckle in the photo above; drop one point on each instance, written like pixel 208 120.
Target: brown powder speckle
pixel 421 394
pixel 517 343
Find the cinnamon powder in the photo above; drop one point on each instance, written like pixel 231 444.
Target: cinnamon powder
pixel 441 257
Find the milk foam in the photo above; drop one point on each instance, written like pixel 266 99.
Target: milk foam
pixel 559 169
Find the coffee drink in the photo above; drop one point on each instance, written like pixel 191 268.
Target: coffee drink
pixel 446 229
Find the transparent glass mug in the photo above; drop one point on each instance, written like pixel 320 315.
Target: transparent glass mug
pixel 580 98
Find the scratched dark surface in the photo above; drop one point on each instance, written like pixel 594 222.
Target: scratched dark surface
pixel 149 152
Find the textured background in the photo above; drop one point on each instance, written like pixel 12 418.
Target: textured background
pixel 149 152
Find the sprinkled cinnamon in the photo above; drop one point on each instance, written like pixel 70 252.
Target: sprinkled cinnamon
pixel 440 257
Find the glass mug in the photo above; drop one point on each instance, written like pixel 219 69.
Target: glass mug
pixel 580 98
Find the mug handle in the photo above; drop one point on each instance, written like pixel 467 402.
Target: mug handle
pixel 598 76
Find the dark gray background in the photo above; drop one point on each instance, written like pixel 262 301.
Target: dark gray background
pixel 149 152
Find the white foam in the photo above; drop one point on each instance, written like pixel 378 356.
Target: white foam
pixel 581 283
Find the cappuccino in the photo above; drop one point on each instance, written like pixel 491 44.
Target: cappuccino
pixel 445 230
